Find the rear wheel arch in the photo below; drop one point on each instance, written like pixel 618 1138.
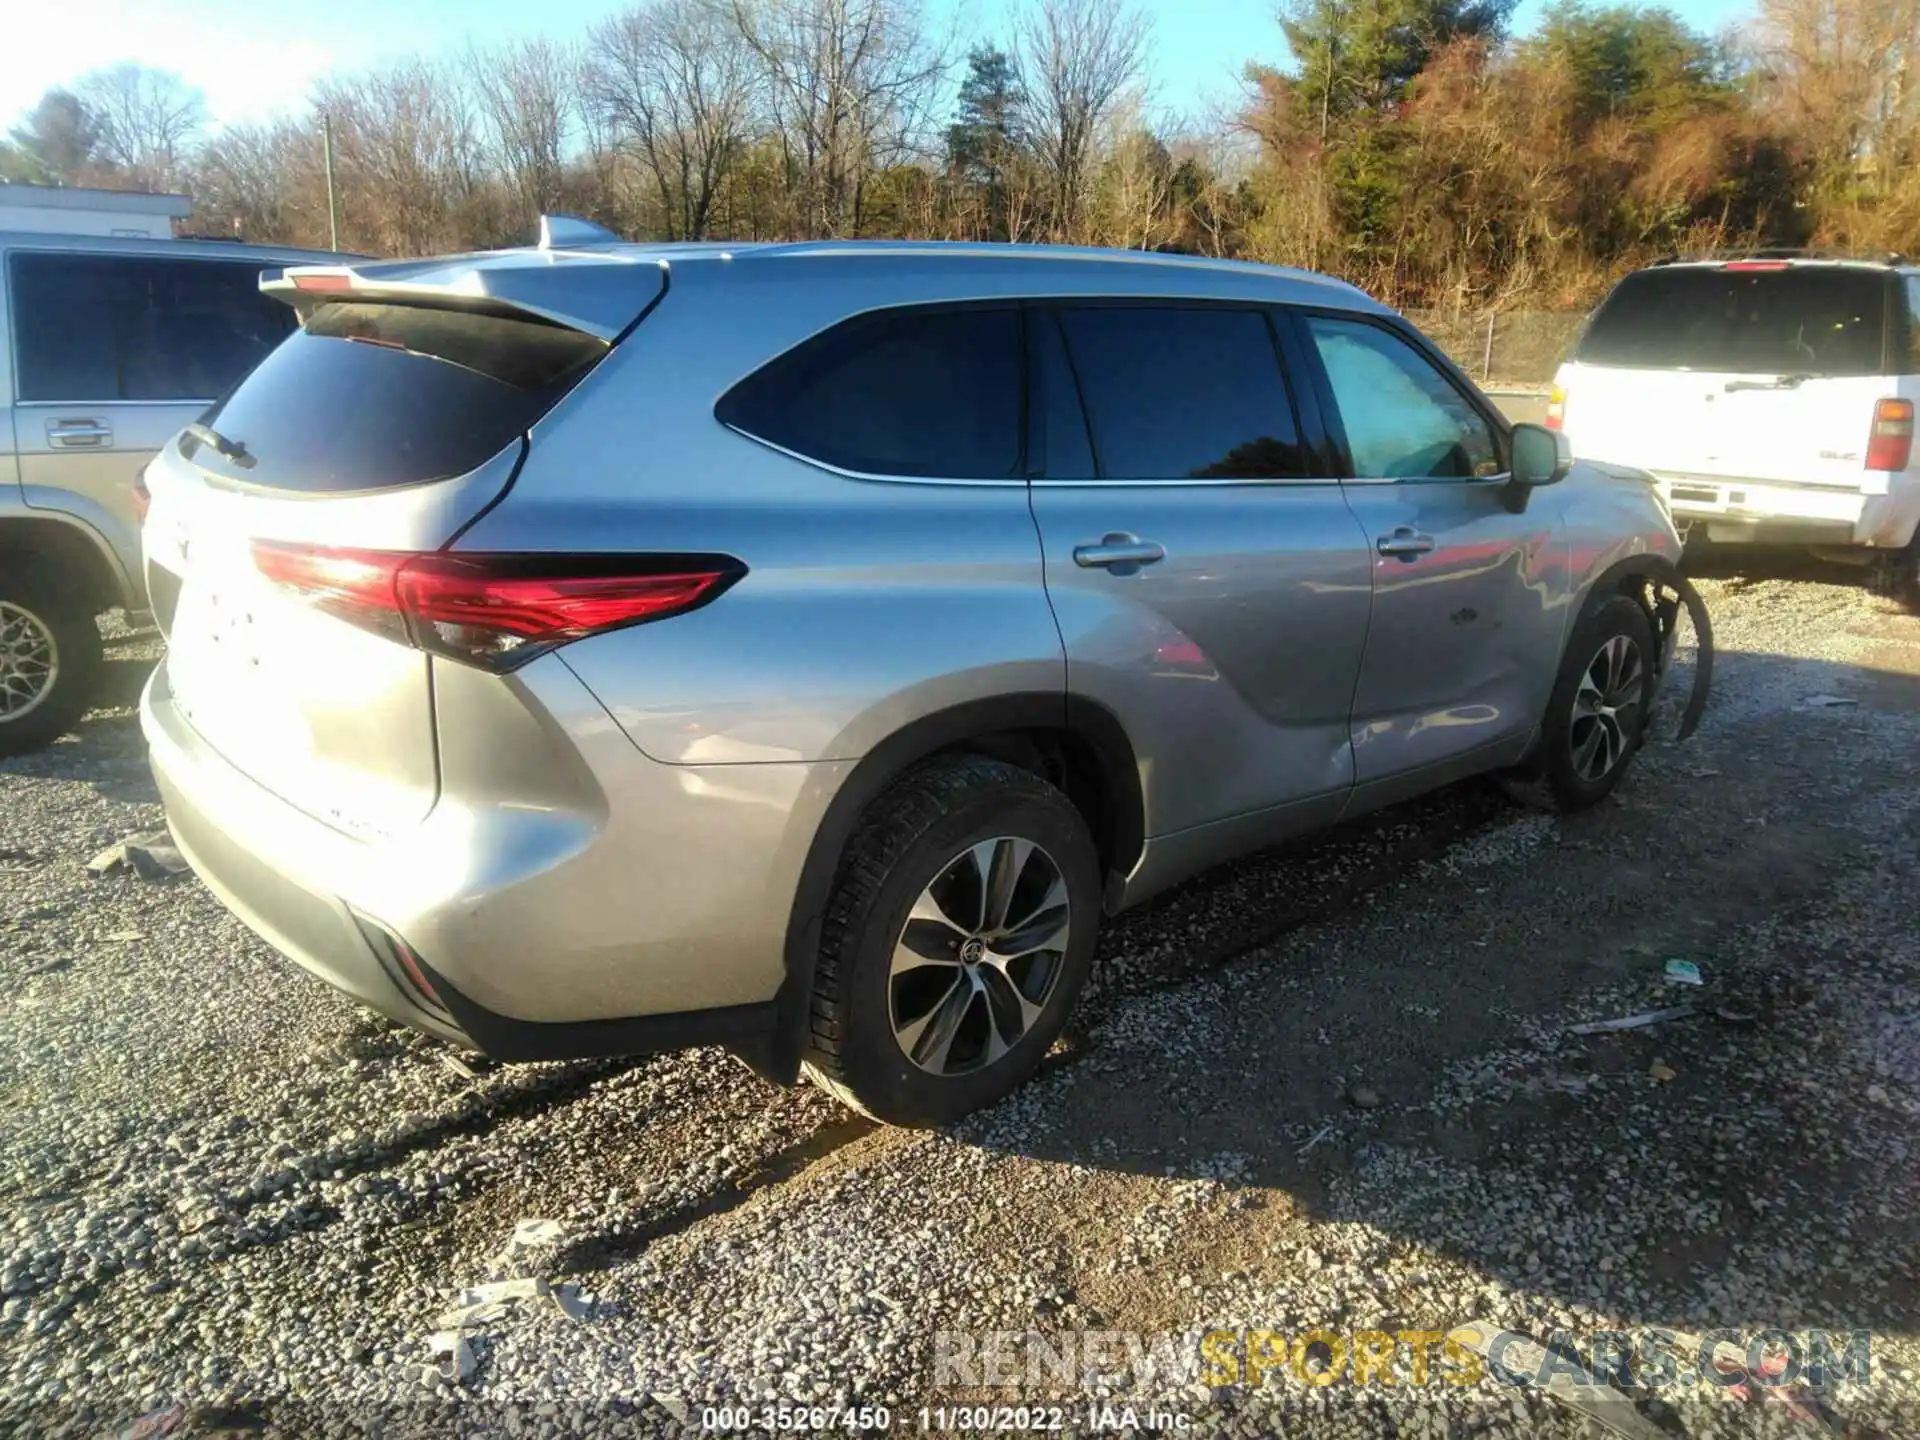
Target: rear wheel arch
pixel 68 550
pixel 1075 744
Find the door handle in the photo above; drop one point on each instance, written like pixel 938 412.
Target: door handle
pixel 1405 543
pixel 79 434
pixel 1119 552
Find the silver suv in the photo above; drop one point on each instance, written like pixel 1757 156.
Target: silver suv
pixel 601 649
pixel 107 347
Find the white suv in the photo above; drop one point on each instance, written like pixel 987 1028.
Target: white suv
pixel 1772 397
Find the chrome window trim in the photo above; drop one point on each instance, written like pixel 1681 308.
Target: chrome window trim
pixel 1501 479
pixel 142 404
pixel 833 469
pixel 1187 483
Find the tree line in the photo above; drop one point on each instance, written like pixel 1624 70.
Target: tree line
pixel 1415 147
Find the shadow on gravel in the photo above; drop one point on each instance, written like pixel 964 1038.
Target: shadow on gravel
pixel 121 680
pixel 1395 1051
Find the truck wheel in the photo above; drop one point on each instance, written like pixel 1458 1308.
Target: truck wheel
pixel 959 933
pixel 49 657
pixel 1906 579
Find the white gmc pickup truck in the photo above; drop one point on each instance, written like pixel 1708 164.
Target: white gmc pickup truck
pixel 1770 395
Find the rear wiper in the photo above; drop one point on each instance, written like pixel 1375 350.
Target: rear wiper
pixel 1785 382
pixel 231 450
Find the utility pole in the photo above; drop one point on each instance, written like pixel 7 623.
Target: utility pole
pixel 326 150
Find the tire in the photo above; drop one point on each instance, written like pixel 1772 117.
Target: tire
pixel 49 656
pixel 1906 579
pixel 929 838
pixel 1584 752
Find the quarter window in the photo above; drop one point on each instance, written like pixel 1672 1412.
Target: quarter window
pixel 1404 419
pixel 1176 393
pixel 917 392
pixel 105 327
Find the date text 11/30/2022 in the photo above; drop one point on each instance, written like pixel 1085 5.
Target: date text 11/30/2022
pixel 1114 1418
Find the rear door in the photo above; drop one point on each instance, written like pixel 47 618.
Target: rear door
pixel 113 354
pixel 1756 370
pixel 1211 586
pixel 1467 613
pixel 377 428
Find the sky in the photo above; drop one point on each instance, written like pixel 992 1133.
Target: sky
pixel 253 60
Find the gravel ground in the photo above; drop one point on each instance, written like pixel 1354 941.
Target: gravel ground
pixel 1329 1088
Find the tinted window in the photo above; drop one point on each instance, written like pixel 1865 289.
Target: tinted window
pixel 1404 419
pixel 371 396
pixel 1060 426
pixel 1911 319
pixel 1176 393
pixel 1803 320
pixel 99 327
pixel 921 392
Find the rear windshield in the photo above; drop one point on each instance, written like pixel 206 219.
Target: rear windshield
pixel 373 396
pixel 1801 321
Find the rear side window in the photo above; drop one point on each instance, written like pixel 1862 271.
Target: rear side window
pixel 372 396
pixel 1802 320
pixel 104 327
pixel 933 393
pixel 1183 393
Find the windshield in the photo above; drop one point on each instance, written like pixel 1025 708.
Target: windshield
pixel 1798 321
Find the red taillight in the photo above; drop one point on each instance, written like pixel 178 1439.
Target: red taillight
pixel 494 611
pixel 410 963
pixel 1890 442
pixel 142 498
pixel 1752 265
pixel 1556 415
pixel 323 281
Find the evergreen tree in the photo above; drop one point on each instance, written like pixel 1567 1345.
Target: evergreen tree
pixel 58 141
pixel 986 135
pixel 1360 56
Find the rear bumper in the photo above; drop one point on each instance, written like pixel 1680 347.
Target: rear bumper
pixel 1735 511
pixel 655 920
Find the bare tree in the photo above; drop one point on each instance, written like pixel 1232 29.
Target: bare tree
pixel 262 182
pixel 146 121
pixel 409 161
pixel 1839 71
pixel 672 81
pixel 850 86
pixel 1133 194
pixel 1078 58
pixel 525 95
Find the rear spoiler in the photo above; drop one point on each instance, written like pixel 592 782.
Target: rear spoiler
pixel 599 293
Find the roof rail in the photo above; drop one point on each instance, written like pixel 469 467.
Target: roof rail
pixel 1781 252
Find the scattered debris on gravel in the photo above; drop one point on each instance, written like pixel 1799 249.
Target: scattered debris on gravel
pixel 1352 1086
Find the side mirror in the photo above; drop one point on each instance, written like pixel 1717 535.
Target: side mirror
pixel 1539 456
pixel 1535 456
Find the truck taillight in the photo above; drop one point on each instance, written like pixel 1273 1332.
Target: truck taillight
pixel 1556 408
pixel 490 610
pixel 1890 442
